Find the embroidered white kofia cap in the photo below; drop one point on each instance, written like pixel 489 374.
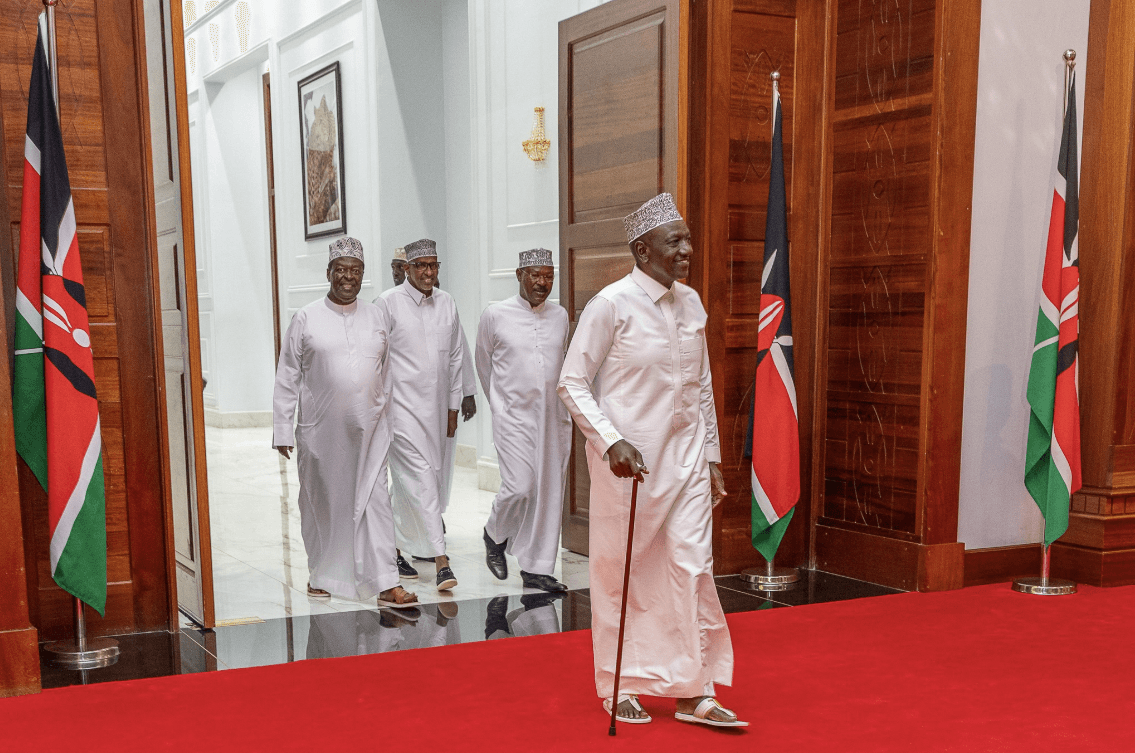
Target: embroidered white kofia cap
pixel 423 247
pixel 345 246
pixel 536 257
pixel 657 211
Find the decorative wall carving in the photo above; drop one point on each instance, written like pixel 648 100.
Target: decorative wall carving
pixel 243 17
pixel 878 195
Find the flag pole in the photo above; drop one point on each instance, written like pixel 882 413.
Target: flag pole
pixel 82 653
pixel 771 577
pixel 1045 585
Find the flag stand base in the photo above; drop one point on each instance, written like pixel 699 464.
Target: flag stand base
pixel 770 578
pixel 1044 586
pixel 99 652
pixel 82 652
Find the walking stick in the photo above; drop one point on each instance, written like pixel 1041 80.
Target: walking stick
pixel 623 613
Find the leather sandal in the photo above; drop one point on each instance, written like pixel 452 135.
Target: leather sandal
pixel 402 599
pixel 633 699
pixel 702 711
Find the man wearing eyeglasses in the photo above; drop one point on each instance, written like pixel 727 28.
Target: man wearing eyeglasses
pixel 520 350
pixel 426 390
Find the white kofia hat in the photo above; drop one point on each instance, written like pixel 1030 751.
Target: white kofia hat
pixel 657 211
pixel 423 247
pixel 346 246
pixel 536 257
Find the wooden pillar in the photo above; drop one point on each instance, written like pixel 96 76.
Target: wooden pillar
pixel 901 118
pixel 1099 547
pixel 19 643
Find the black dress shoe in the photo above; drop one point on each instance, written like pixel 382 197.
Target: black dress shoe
pixel 496 620
pixel 445 579
pixel 494 557
pixel 543 582
pixel 535 601
pixel 405 569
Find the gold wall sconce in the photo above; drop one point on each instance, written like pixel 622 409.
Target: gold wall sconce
pixel 537 146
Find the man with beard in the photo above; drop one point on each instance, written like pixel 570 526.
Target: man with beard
pixel 331 368
pixel 640 344
pixel 520 350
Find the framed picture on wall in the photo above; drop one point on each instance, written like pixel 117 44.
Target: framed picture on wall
pixel 321 158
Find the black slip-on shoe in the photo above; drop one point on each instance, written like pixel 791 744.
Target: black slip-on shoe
pixel 494 557
pixel 535 601
pixel 405 569
pixel 445 579
pixel 543 582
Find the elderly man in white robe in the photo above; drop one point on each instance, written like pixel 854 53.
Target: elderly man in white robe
pixel 520 351
pixel 636 380
pixel 331 368
pixel 426 391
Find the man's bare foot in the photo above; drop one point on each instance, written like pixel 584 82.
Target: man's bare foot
pixel 397 597
pixel 630 711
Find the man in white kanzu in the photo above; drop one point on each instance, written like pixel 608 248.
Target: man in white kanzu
pixel 640 345
pixel 520 350
pixel 425 386
pixel 468 410
pixel 331 367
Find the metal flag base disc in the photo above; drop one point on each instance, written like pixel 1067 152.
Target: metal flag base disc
pixel 100 652
pixel 771 579
pixel 1044 586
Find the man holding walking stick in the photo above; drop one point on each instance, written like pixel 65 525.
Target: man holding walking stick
pixel 636 380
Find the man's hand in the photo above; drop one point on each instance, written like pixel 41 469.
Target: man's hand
pixel 468 407
pixel 285 451
pixel 625 460
pixel 716 484
pixel 451 430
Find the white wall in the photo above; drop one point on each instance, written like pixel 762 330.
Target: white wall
pixel 1020 89
pixel 237 237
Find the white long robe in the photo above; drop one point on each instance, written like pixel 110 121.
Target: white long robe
pixel 331 369
pixel 468 388
pixel 641 348
pixel 520 351
pixel 425 384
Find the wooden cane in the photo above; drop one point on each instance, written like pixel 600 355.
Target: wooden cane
pixel 623 612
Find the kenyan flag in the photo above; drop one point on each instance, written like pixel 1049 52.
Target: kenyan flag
pixel 55 410
pixel 1052 457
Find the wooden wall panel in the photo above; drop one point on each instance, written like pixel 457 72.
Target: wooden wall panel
pixel 734 48
pixel 879 111
pixel 101 80
pixel 902 120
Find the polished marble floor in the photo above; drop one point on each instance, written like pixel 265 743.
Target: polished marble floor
pixel 265 617
pixel 259 563
pixel 364 630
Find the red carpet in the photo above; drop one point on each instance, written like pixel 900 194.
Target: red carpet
pixel 956 671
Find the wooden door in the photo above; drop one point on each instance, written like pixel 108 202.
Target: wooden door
pixel 177 294
pixel 618 136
